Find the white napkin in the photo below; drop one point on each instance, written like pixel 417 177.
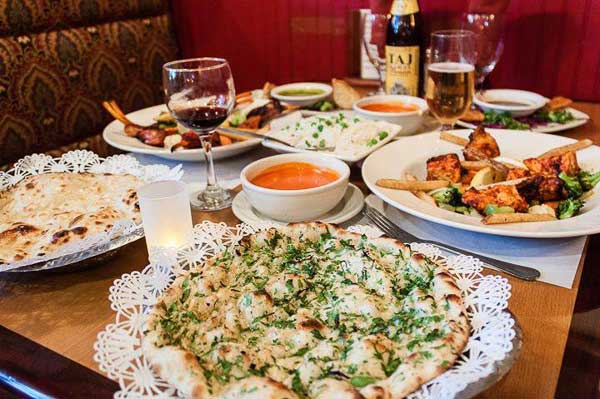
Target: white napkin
pixel 556 258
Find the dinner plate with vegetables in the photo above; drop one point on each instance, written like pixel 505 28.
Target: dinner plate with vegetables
pixel 554 116
pixel 503 182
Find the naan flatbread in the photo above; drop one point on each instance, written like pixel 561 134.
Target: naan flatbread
pixel 308 310
pixel 41 213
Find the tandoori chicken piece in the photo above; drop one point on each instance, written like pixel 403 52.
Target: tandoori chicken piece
pixel 483 143
pixel 153 137
pixel 551 188
pixel 444 167
pixel 552 166
pixel 191 140
pixel 499 194
pixel 517 173
pixel 267 112
pixel 468 176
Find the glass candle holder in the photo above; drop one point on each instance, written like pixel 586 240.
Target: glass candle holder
pixel 166 214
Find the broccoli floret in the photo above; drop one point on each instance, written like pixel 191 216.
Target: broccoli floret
pixel 588 180
pixel 450 196
pixel 560 116
pixel 326 106
pixel 322 106
pixel 572 184
pixel 569 208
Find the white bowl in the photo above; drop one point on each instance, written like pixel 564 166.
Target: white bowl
pixel 295 205
pixel 410 121
pixel 302 101
pixel 530 101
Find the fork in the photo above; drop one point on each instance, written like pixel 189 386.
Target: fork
pixel 394 231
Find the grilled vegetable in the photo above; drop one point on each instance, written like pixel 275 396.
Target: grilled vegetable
pixel 322 106
pixel 237 118
pixel 588 180
pixel 448 196
pixel 483 177
pixel 572 184
pixel 557 116
pixel 569 208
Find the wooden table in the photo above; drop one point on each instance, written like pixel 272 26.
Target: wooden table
pixel 65 312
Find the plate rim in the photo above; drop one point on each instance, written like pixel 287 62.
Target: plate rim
pixel 468 227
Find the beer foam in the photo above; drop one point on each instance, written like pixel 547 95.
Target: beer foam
pixel 451 67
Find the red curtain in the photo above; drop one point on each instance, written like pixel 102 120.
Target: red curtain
pixel 551 46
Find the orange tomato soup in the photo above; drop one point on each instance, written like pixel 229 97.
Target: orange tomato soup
pixel 294 176
pixel 390 106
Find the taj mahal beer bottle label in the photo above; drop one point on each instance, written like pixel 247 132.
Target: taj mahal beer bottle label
pixel 403 49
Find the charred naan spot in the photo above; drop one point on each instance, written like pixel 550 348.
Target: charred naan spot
pixel 418 257
pixel 453 298
pixel 41 253
pixel 75 220
pixel 29 186
pixel 377 392
pixel 19 229
pixel 311 324
pixel 19 257
pixel 131 197
pixel 97 222
pixel 79 230
pixel 448 280
pixel 412 357
pixel 277 384
pixel 62 235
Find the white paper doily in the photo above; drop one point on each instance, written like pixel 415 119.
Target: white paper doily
pixel 118 348
pixel 83 161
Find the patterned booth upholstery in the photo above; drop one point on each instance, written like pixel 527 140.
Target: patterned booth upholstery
pixel 59 59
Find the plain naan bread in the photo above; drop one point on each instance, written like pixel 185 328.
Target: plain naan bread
pixel 41 213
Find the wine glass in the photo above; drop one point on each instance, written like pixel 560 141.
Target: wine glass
pixel 489 41
pixel 450 75
pixel 200 95
pixel 373 31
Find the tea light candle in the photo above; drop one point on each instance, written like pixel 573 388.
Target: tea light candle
pixel 166 214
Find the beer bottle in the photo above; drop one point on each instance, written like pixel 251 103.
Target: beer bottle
pixel 403 55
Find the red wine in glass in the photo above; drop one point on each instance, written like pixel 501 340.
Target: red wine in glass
pixel 201 118
pixel 200 94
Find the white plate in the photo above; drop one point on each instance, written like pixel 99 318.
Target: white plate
pixel 349 159
pixel 114 135
pixel 409 154
pixel 527 102
pixel 581 118
pixel 350 205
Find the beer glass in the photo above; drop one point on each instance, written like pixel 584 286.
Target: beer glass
pixel 450 75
